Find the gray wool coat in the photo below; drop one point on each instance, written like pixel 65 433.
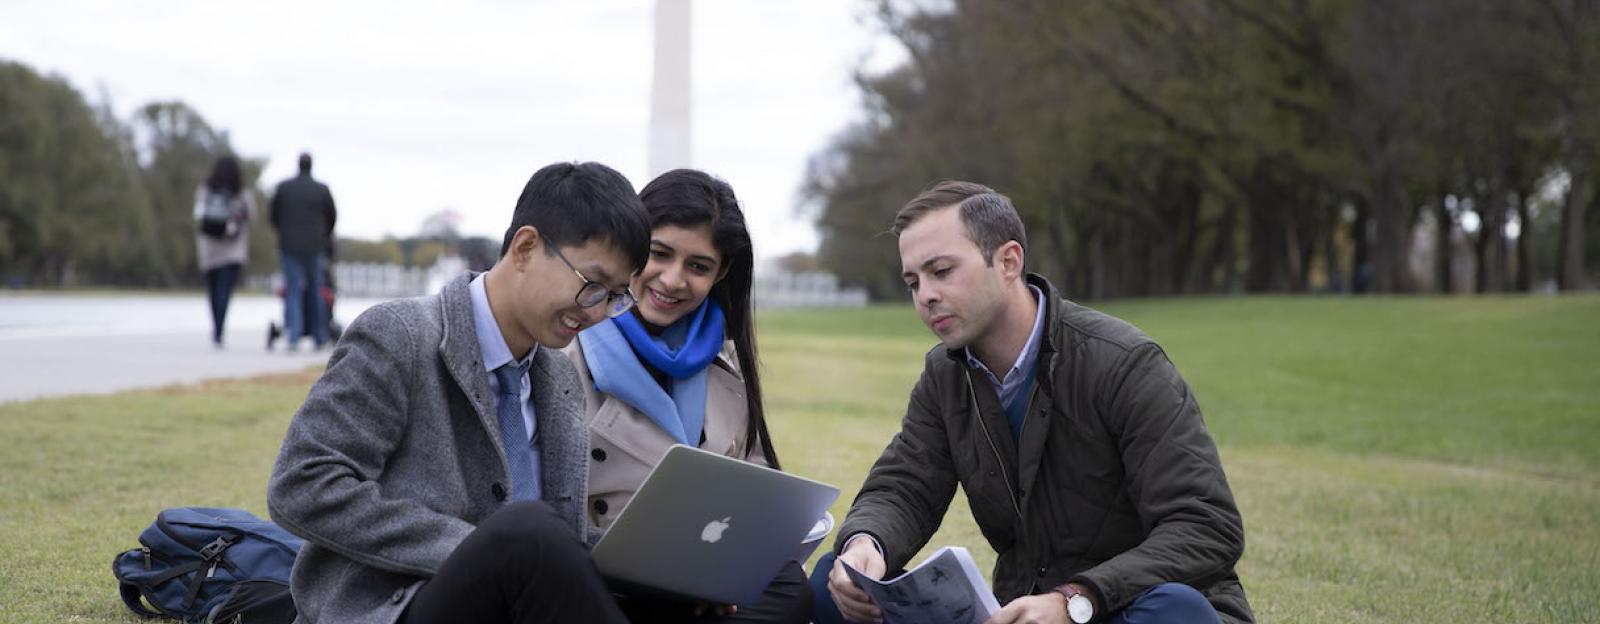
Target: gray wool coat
pixel 394 457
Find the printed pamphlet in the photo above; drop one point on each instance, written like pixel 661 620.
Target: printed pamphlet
pixel 945 588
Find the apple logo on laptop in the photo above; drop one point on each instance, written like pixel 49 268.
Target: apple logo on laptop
pixel 713 531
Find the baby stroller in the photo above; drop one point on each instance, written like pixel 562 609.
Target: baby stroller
pixel 276 331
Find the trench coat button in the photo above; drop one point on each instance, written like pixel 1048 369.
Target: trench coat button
pixel 598 454
pixel 399 596
pixel 1041 571
pixel 600 507
pixel 498 490
pixel 991 474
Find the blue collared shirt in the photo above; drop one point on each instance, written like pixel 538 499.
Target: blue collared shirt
pixel 1013 388
pixel 492 344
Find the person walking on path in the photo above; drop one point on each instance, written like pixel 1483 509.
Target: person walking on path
pixel 303 215
pixel 222 212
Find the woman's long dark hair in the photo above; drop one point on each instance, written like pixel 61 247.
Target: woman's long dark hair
pixel 689 198
pixel 226 177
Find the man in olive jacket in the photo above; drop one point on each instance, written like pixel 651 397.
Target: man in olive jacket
pixel 1086 464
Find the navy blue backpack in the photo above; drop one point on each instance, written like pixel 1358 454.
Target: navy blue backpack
pixel 202 564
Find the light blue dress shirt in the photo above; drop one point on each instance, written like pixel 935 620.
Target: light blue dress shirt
pixel 1017 378
pixel 492 345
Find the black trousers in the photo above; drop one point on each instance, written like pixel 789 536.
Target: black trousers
pixel 522 565
pixel 787 600
pixel 525 565
pixel 219 289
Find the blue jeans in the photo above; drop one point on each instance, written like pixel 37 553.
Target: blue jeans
pixel 302 296
pixel 219 289
pixel 1167 603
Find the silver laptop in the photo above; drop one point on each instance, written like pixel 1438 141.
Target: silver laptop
pixel 711 528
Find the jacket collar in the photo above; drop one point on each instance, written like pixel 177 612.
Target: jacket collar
pixel 1027 453
pixel 1030 453
pixel 1049 342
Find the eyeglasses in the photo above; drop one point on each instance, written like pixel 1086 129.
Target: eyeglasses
pixel 594 293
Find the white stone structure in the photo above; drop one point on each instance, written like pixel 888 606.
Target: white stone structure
pixel 670 129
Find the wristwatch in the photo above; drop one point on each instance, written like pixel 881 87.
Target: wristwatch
pixel 1080 609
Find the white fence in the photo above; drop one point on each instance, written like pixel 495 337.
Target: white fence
pixel 378 280
pixel 386 281
pixel 363 279
pixel 805 290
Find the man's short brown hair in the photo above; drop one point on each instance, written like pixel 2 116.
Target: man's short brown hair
pixel 989 217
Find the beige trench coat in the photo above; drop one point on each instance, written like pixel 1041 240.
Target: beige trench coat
pixel 625 445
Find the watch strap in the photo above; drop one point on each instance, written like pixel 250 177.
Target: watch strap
pixel 1069 592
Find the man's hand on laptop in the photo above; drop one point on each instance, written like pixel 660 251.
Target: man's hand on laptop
pixel 720 610
pixel 854 604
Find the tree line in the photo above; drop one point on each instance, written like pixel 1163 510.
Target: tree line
pixel 87 198
pixel 1161 147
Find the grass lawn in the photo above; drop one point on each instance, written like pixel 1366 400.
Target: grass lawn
pixel 1409 459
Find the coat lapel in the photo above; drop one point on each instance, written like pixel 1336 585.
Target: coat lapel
pixel 462 358
pixel 563 437
pixel 557 403
pixel 727 414
pixel 630 431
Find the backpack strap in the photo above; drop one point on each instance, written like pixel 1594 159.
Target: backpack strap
pixel 210 557
pixel 194 587
pixel 198 568
pixel 177 571
pixel 133 596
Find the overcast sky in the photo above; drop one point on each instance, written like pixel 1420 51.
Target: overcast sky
pixel 410 107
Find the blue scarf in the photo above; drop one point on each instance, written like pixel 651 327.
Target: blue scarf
pixel 617 349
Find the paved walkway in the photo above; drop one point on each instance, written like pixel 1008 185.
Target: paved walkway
pixel 60 345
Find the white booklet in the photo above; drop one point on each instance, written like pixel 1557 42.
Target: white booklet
pixel 945 588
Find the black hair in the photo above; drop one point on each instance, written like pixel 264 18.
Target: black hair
pixel 690 198
pixel 305 162
pixel 573 203
pixel 225 177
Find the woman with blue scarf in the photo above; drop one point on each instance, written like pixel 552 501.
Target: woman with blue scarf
pixel 680 368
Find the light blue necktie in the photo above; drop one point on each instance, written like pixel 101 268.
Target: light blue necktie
pixel 514 436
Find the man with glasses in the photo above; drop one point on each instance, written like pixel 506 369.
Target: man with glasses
pixel 437 468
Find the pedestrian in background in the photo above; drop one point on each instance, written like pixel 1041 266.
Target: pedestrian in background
pixel 222 212
pixel 303 214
